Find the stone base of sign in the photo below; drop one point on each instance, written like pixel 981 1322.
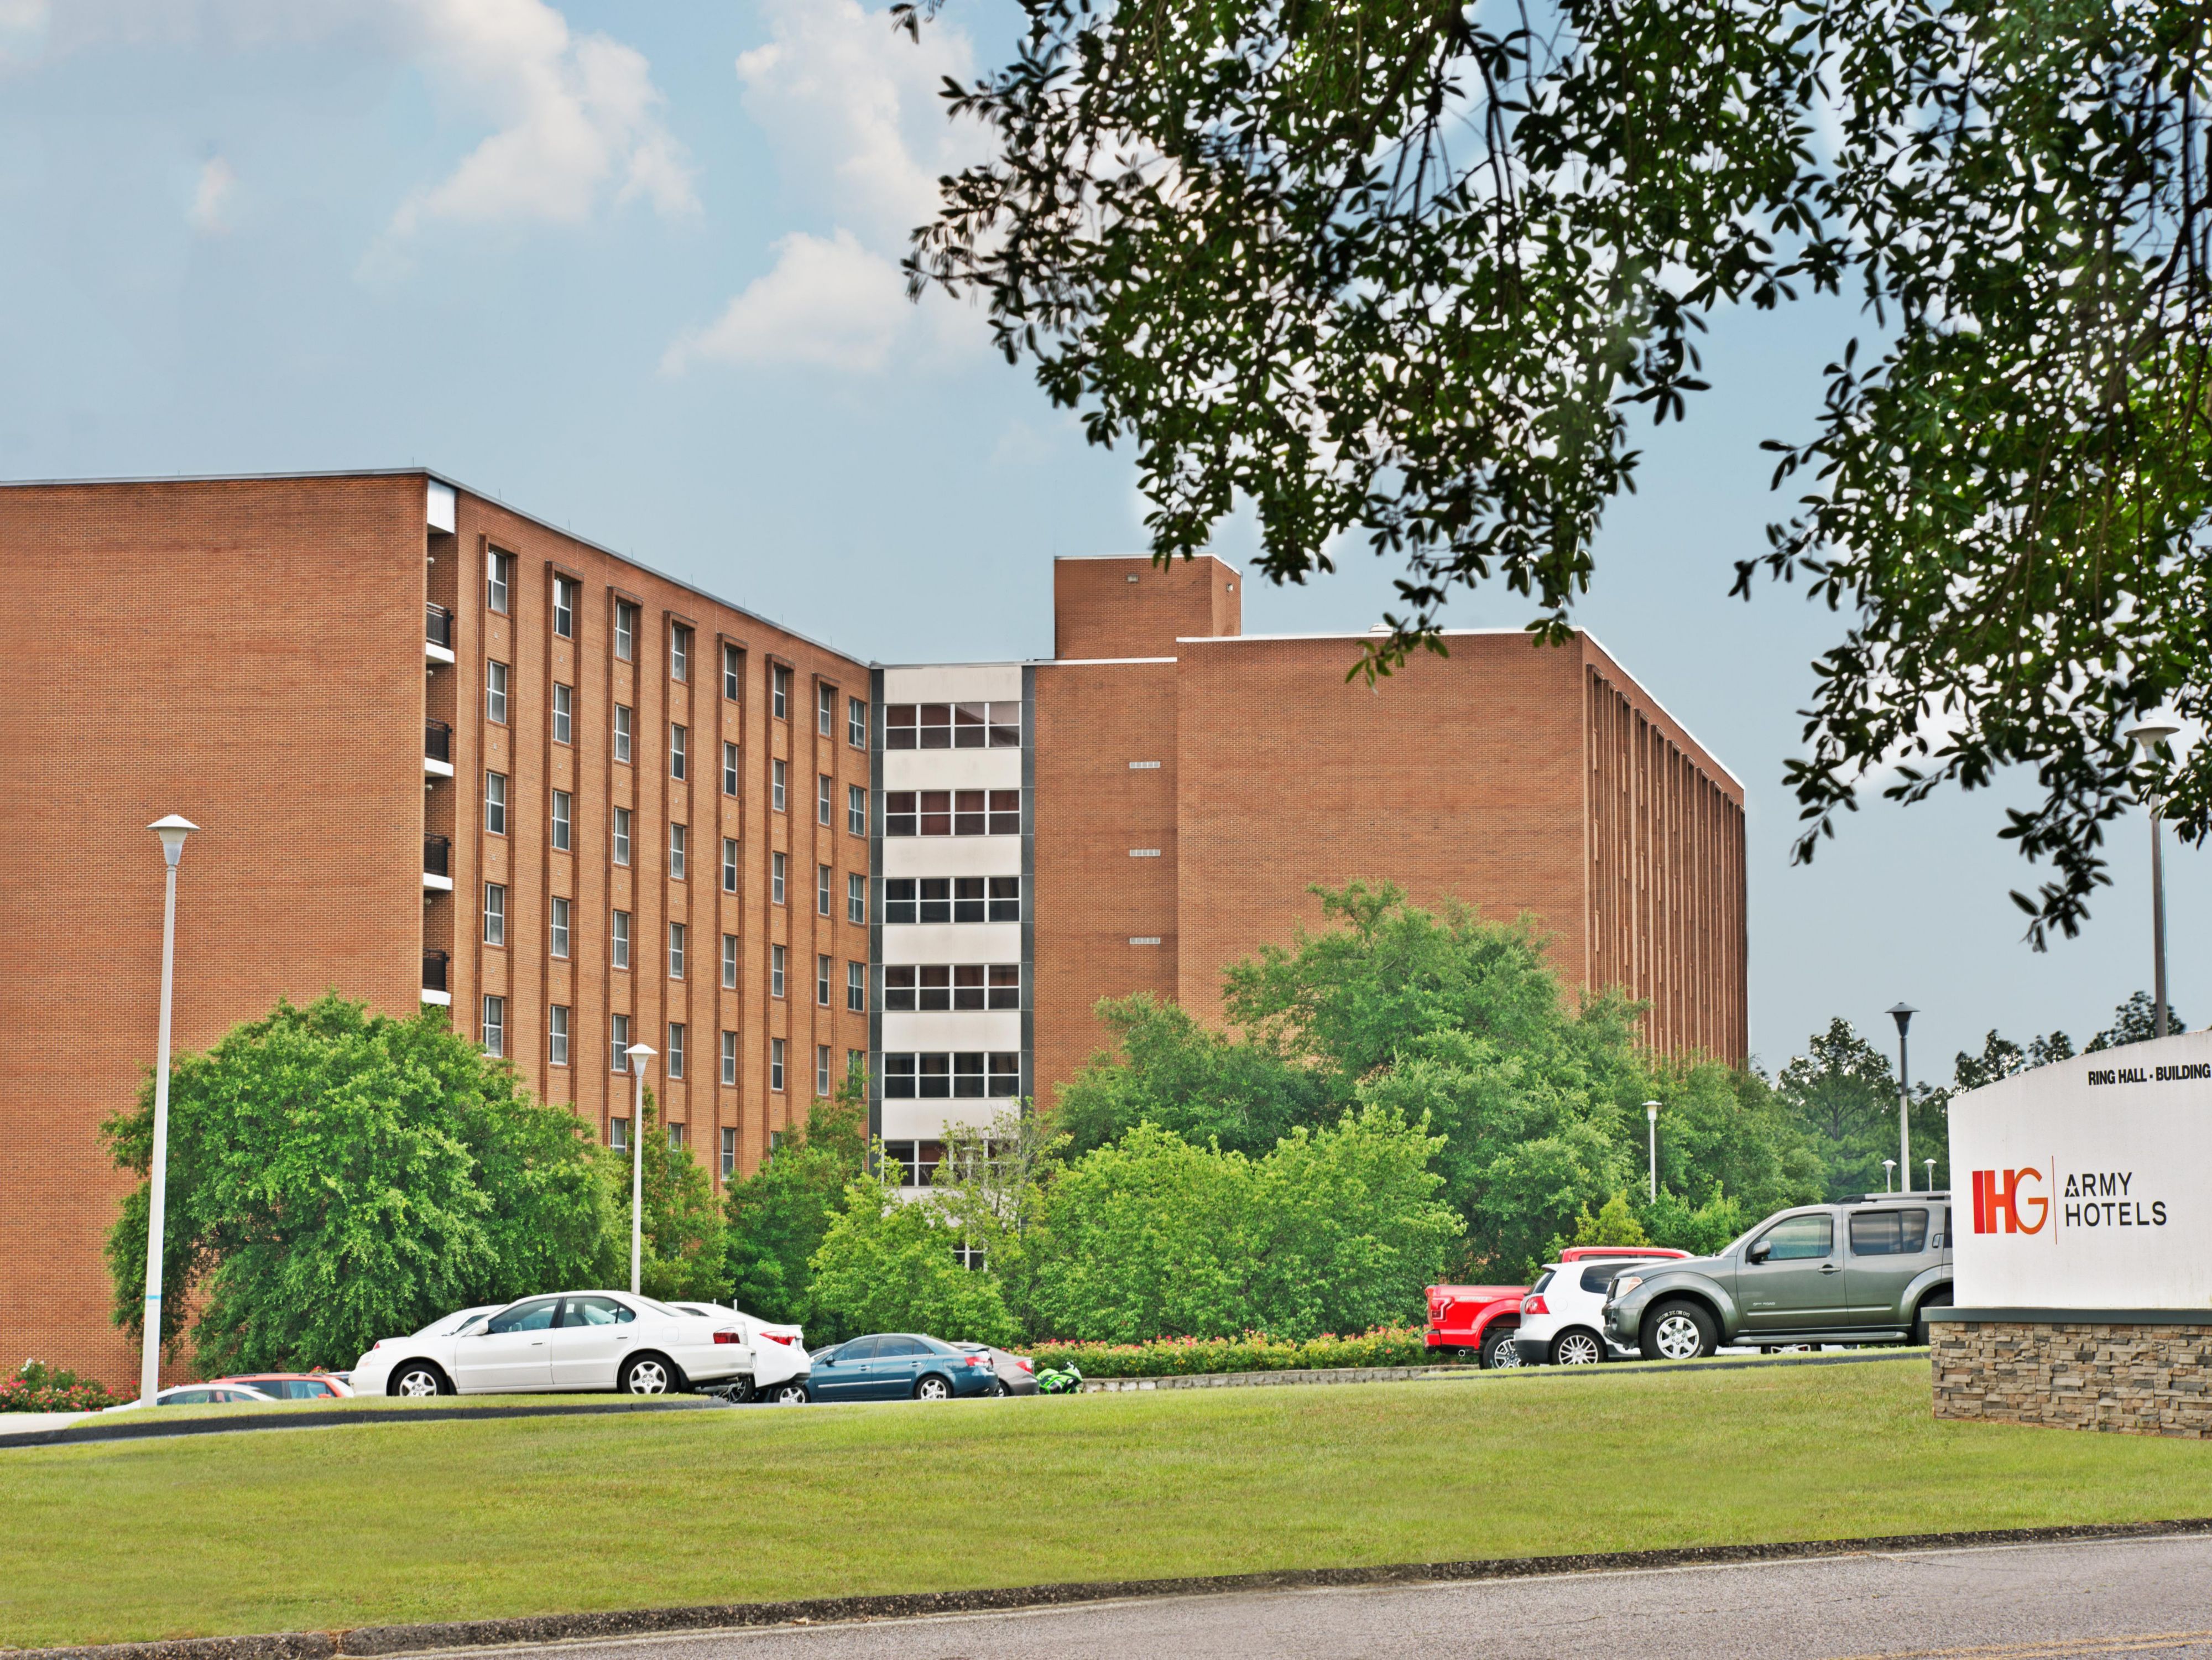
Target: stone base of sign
pixel 2146 1373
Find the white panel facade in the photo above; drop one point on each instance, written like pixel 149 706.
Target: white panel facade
pixel 953 682
pixel 925 1120
pixel 999 1029
pixel 953 770
pixel 952 856
pixel 952 942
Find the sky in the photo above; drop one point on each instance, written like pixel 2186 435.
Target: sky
pixel 633 270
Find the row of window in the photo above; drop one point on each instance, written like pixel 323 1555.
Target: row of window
pixel 928 986
pixel 499 589
pixel 952 725
pixel 560 914
pixel 953 899
pixel 856 802
pixel 952 812
pixel 935 1077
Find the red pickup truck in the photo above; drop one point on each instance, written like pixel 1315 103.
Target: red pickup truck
pixel 1485 1317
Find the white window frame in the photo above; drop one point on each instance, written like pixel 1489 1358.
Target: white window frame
pixel 729 1060
pixel 856 898
pixel 625 725
pixel 495 913
pixel 618 1045
pixel 618 827
pixel 564 713
pixel 825 709
pixel 561 822
pixel 680 652
pixel 778 782
pixel 856 722
pixel 825 888
pixel 733 672
pixel 729 962
pixel 730 759
pixel 777 959
pixel 680 751
pixel 565 596
pixel 825 970
pixel 556 1036
pixel 825 797
pixel 626 621
pixel 675 1059
pixel 856 810
pixel 495 1024
pixel 822 1070
pixel 856 987
pixel 775 1064
pixel 729 863
pixel 676 944
pixel 779 691
pixel 499 580
pixel 779 868
pixel 495 803
pixel 560 914
pixel 729 1151
pixel 618 938
pixel 495 677
pixel 679 851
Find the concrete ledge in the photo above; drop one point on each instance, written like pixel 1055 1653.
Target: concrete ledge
pixel 384 1641
pixel 2076 1316
pixel 1236 1380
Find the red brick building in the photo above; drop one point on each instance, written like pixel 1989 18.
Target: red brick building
pixel 441 752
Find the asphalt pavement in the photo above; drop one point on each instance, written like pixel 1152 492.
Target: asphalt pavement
pixel 2148 1596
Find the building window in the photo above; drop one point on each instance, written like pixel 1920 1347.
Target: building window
pixel 679 845
pixel 557 912
pixel 822 1069
pixel 495 803
pixel 777 865
pixel 779 691
pixel 619 1128
pixel 775 1064
pixel 675 1059
pixel 825 710
pixel 856 723
pixel 856 898
pixel 824 795
pixel 499 577
pixel 775 961
pixel 938 1077
pixel 729 863
pixel 625 630
pixel 618 1043
pixel 729 1153
pixel 856 987
pixel 952 725
pixel 953 899
pixel 678 751
pixel 733 665
pixel 564 710
pixel 680 652
pixel 564 607
pixel 622 732
pixel 856 810
pixel 952 812
pixel 933 987
pixel 777 773
pixel 856 1063
pixel 824 880
pixel 676 950
pixel 495 692
pixel 563 804
pixel 556 1036
pixel 618 939
pixel 729 962
pixel 676 1134
pixel 729 768
pixel 729 1063
pixel 495 913
pixel 621 821
pixel 822 970
pixel 494 1026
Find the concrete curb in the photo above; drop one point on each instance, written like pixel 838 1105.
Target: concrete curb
pixel 144 1429
pixel 387 1640
pixel 1233 1380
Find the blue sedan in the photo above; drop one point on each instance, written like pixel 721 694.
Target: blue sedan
pixel 899 1366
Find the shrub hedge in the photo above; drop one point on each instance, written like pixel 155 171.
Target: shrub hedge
pixel 1183 1357
pixel 40 1388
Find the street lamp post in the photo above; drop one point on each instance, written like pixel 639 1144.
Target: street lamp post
pixel 1930 1163
pixel 1889 1175
pixel 639 1055
pixel 2147 734
pixel 1651 1114
pixel 173 830
pixel 1903 1014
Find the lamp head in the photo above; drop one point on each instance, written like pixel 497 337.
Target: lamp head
pixel 1903 1014
pixel 639 1055
pixel 2152 730
pixel 1651 1111
pixel 173 830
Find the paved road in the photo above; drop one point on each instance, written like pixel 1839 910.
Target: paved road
pixel 2015 1603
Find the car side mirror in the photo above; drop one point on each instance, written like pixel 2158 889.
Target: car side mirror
pixel 1757 1253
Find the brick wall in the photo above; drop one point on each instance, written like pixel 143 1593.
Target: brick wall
pixel 1118 608
pixel 2145 1379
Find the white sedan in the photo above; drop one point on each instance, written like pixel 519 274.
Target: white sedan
pixel 782 1365
pixel 579 1340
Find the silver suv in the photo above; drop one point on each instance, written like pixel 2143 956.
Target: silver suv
pixel 1863 1273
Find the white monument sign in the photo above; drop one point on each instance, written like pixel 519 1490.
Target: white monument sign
pixel 2087 1183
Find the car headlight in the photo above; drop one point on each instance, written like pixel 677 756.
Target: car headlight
pixel 1625 1284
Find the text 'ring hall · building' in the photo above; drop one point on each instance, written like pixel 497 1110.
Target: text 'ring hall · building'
pixel 442 752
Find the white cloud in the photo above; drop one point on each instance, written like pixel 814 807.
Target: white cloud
pixel 211 197
pixel 851 107
pixel 827 304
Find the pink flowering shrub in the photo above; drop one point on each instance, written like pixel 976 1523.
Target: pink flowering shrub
pixel 41 1388
pixel 1183 1357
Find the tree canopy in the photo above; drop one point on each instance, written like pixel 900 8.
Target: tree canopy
pixel 1405 270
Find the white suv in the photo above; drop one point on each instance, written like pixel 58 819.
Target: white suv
pixel 1562 1321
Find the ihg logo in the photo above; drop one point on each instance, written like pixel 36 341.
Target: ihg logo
pixel 1998 1194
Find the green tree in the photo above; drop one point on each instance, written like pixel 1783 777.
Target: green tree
pixel 1842 1092
pixel 891 1264
pixel 685 1250
pixel 337 1176
pixel 777 1217
pixel 994 1184
pixel 1614 1225
pixel 1406 272
pixel 2003 1058
pixel 2135 1022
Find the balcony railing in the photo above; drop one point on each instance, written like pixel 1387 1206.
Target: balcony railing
pixel 438 855
pixel 440 627
pixel 438 741
pixel 434 970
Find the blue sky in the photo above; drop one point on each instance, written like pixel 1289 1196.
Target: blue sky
pixel 630 268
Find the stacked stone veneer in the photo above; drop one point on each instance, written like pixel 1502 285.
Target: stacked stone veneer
pixel 2147 1379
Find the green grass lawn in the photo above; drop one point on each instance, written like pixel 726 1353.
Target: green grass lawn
pixel 317 1529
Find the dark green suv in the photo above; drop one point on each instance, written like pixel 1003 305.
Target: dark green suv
pixel 1864 1273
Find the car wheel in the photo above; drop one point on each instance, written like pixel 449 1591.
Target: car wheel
pixel 789 1395
pixel 1938 1299
pixel 647 1374
pixel 416 1380
pixel 1577 1348
pixel 999 1389
pixel 932 1388
pixel 1499 1353
pixel 1678 1331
